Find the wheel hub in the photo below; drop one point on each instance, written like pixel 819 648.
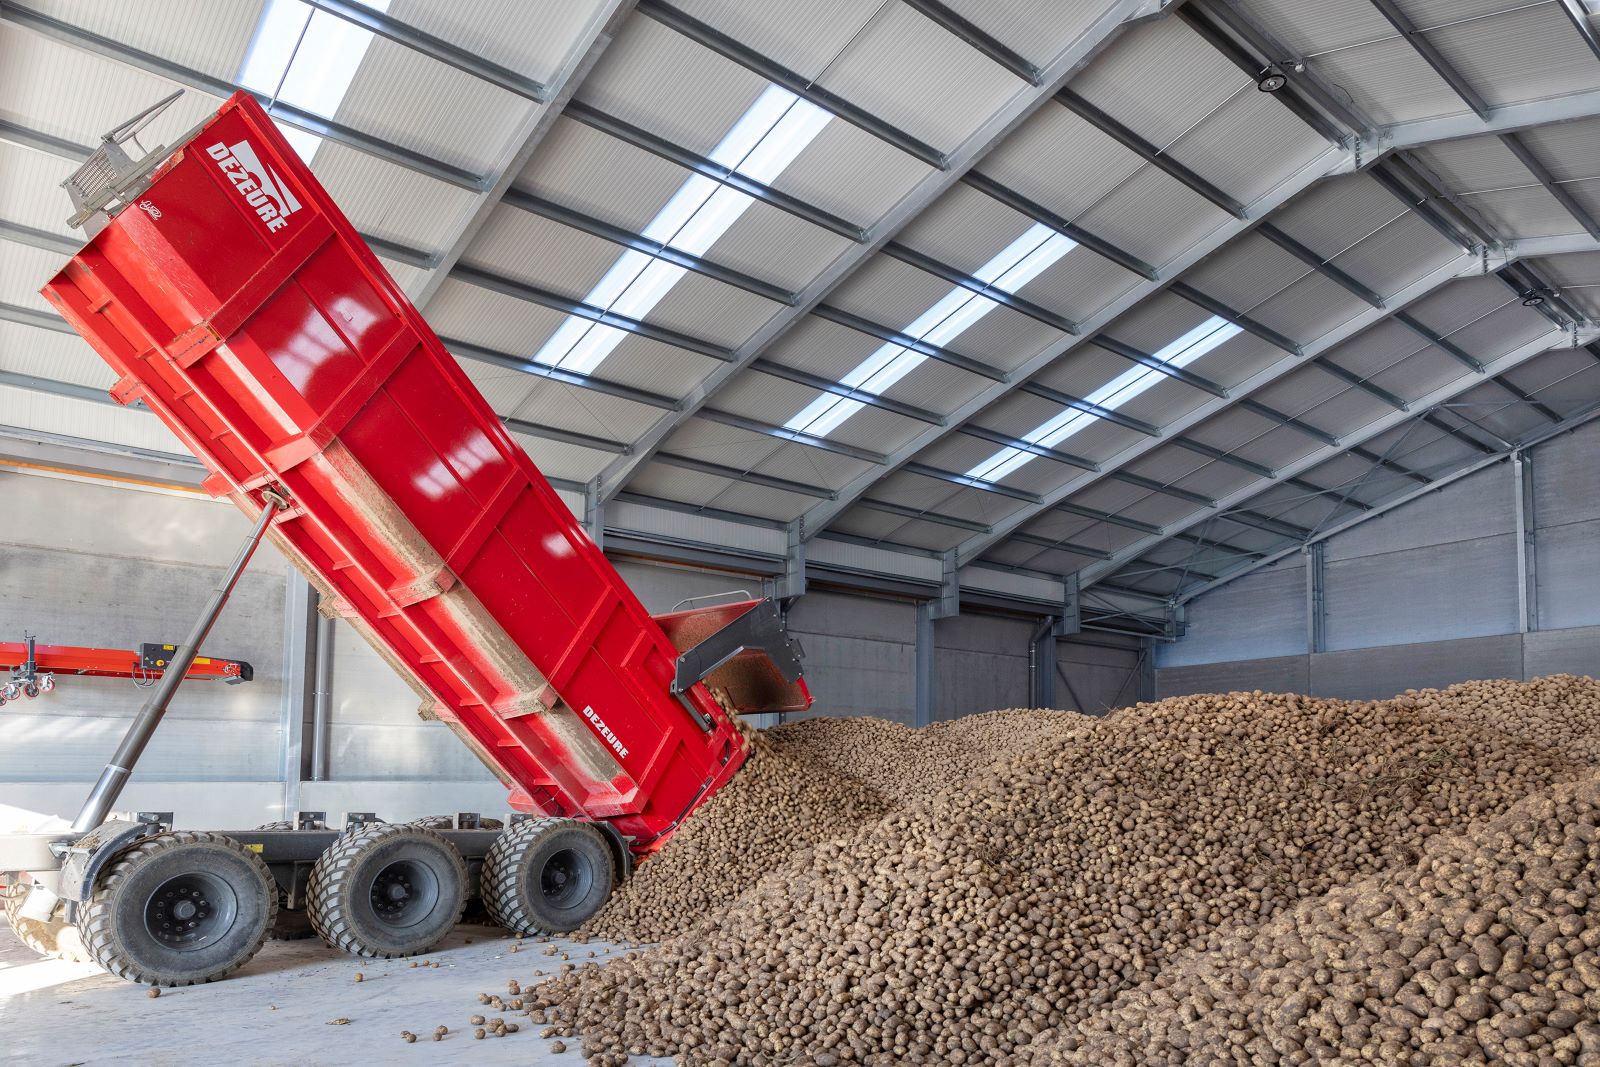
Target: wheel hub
pixel 190 911
pixel 403 893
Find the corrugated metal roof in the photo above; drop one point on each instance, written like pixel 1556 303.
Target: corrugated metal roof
pixel 411 100
pixel 47 354
pixel 937 386
pixel 750 243
pixel 23 269
pixel 1459 303
pixel 1389 82
pixel 1079 284
pixel 711 310
pixel 1502 330
pixel 531 37
pixel 530 248
pixel 87 420
pixel 676 484
pixel 1309 307
pixel 1337 212
pixel 1246 272
pixel 1249 144
pixel 1415 376
pixel 1566 148
pixel 1164 402
pixel 1039 32
pixel 1373 349
pixel 389 201
pixel 1194 80
pixel 1079 372
pixel 567 407
pixel 31 191
pixel 964 228
pixel 1235 360
pixel 803 35
pixel 557 459
pixel 1060 161
pixel 1004 338
pixel 1157 322
pixel 56 89
pixel 1311 28
pixel 851 173
pixel 199 34
pixel 1528 212
pixel 663 82
pixel 1475 164
pixel 1299 392
pixel 1526 54
pixel 1153 216
pixel 761 501
pixel 812 466
pixel 1346 411
pixel 601 176
pixel 467 313
pixel 908 71
pixel 505 390
pixel 713 442
pixel 1400 253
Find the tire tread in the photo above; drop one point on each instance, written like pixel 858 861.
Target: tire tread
pixel 324 904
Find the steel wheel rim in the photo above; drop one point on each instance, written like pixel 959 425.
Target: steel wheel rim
pixel 403 893
pixel 190 911
pixel 566 877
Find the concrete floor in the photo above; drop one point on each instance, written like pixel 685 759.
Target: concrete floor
pixel 277 1010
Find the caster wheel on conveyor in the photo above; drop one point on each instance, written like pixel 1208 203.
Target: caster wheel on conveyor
pixel 387 889
pixel 178 908
pixel 54 938
pixel 547 876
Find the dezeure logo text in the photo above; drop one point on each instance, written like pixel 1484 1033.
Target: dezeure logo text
pixel 605 732
pixel 259 184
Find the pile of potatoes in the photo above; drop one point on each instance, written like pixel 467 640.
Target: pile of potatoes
pixel 1056 904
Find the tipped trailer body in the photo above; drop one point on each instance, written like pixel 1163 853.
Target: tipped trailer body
pixel 233 299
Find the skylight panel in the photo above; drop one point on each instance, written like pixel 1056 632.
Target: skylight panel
pixel 764 141
pixel 957 311
pixel 307 58
pixel 1115 393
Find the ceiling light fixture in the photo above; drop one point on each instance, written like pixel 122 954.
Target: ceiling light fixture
pixel 1536 297
pixel 1271 80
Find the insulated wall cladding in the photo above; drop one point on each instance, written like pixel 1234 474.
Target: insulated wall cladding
pixel 981 663
pixel 87 563
pixel 1425 595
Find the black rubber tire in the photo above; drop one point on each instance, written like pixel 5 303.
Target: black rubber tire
pixel 54 938
pixel 547 876
pixel 117 923
pixel 281 824
pixel 357 867
pixel 448 822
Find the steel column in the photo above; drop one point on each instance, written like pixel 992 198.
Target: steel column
pixel 1527 541
pixel 925 680
pixel 299 665
pixel 1316 603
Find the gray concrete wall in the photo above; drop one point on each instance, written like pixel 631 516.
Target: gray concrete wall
pixel 1425 595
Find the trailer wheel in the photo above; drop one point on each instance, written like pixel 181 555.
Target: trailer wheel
pixel 547 876
pixel 387 889
pixel 54 938
pixel 178 908
pixel 448 822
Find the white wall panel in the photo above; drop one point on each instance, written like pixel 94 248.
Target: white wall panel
pixel 1260 615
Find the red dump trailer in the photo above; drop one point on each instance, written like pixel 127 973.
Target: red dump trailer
pixel 236 302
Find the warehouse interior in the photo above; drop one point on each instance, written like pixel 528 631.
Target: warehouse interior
pixel 1027 355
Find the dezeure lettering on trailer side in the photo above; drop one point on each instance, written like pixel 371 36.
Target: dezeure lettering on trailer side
pixel 605 732
pixel 259 184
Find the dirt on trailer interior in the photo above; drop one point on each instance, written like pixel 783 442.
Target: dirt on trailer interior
pixel 1239 878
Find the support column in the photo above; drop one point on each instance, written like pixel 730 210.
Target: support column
pixel 943 606
pixel 594 514
pixel 299 667
pixel 1527 544
pixel 1147 669
pixel 1042 665
pixel 1316 606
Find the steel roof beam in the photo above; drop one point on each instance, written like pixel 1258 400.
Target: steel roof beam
pixel 1106 26
pixel 1579 16
pixel 40 239
pixel 1377 427
pixel 776 73
pixel 906 254
pixel 737 475
pixel 54 387
pixel 1265 523
pixel 566 437
pixel 851 321
pixel 825 385
pixel 88 41
pixel 49 144
pixel 1355 380
pixel 44 320
pixel 535 125
pixel 728 418
pixel 1542 175
pixel 1104 516
pixel 935 517
pixel 1418 202
pixel 1255 407
pixel 1438 340
pixel 1390 465
pixel 1456 432
pixel 598 120
pixel 1199 448
pixel 1564 426
pixel 524 365
pixel 974 35
pixel 1039 213
pixel 1155 485
pixel 537 205
pixel 1238 318
pixel 1133 141
pixel 1145 359
pixel 1247 44
pixel 533 294
pixel 436 48
pixel 1061 546
pixel 1432 56
pixel 927 471
pixel 1318 264
pixel 1522 279
pixel 1043 451
pixel 1111 415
